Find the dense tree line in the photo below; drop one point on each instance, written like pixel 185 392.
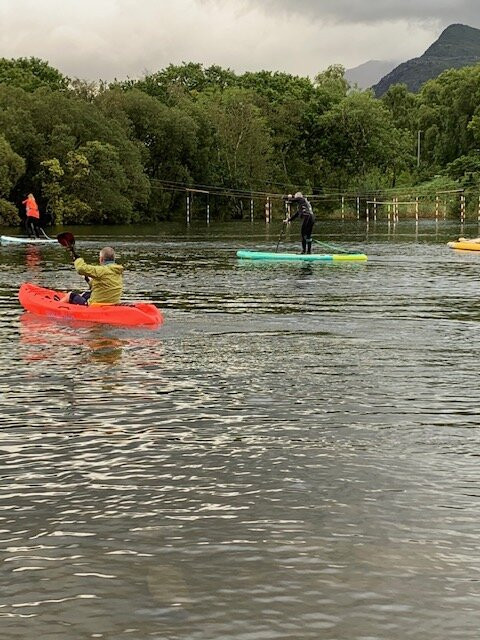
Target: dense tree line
pixel 124 152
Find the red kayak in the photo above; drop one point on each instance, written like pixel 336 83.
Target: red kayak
pixel 46 302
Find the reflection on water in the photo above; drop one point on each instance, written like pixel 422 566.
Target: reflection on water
pixel 33 259
pixel 44 337
pixel 292 455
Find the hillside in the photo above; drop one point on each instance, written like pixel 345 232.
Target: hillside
pixel 368 73
pixel 458 46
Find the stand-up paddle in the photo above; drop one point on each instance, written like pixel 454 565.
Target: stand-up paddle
pixel 285 222
pixel 284 226
pixel 45 235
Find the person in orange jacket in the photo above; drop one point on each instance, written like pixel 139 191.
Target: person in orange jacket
pixel 32 222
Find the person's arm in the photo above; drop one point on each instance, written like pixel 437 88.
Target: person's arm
pixel 297 212
pixel 90 270
pixel 291 200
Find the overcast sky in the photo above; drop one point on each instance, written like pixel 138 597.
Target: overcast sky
pixel 106 39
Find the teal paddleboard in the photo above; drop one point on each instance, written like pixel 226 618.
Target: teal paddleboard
pixel 304 257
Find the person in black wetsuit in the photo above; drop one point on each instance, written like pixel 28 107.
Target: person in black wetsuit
pixel 305 212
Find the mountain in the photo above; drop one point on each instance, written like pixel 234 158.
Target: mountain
pixel 458 46
pixel 368 73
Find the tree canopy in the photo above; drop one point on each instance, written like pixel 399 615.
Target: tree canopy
pixel 125 151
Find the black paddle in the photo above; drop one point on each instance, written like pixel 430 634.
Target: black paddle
pixel 67 240
pixel 285 222
pixel 284 226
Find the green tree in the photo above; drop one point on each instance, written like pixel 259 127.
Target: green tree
pixel 403 105
pixel 12 166
pixel 241 138
pixel 167 137
pixel 356 136
pixel 447 106
pixel 31 74
pixel 49 126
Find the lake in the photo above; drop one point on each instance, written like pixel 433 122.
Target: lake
pixel 292 455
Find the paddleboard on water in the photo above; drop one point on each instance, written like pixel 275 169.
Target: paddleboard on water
pixel 308 257
pixel 46 302
pixel 19 240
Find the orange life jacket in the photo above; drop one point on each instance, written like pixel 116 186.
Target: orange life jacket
pixel 32 208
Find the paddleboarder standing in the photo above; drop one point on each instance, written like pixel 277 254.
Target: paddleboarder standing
pixel 32 222
pixel 305 212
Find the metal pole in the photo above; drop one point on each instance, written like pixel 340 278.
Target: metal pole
pixel 188 208
pixel 208 209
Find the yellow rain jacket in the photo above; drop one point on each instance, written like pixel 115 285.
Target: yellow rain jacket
pixel 106 281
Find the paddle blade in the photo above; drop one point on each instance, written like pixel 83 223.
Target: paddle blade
pixel 66 239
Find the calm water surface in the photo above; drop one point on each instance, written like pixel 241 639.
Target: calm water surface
pixel 293 455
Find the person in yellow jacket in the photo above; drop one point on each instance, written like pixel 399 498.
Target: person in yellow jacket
pixel 105 280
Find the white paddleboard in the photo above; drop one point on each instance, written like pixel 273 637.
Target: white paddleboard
pixel 19 240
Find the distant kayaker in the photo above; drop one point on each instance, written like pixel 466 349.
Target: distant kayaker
pixel 32 222
pixel 105 280
pixel 305 212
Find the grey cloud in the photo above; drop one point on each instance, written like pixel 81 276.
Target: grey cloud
pixel 442 12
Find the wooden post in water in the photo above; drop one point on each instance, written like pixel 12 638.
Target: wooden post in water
pixel 358 208
pixel 268 210
pixel 375 208
pixel 343 207
pixel 188 207
pixel 416 208
pixel 251 209
pixel 208 208
pixel 367 214
pixel 462 207
pixel 437 200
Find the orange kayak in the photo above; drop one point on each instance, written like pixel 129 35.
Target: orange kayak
pixel 46 302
